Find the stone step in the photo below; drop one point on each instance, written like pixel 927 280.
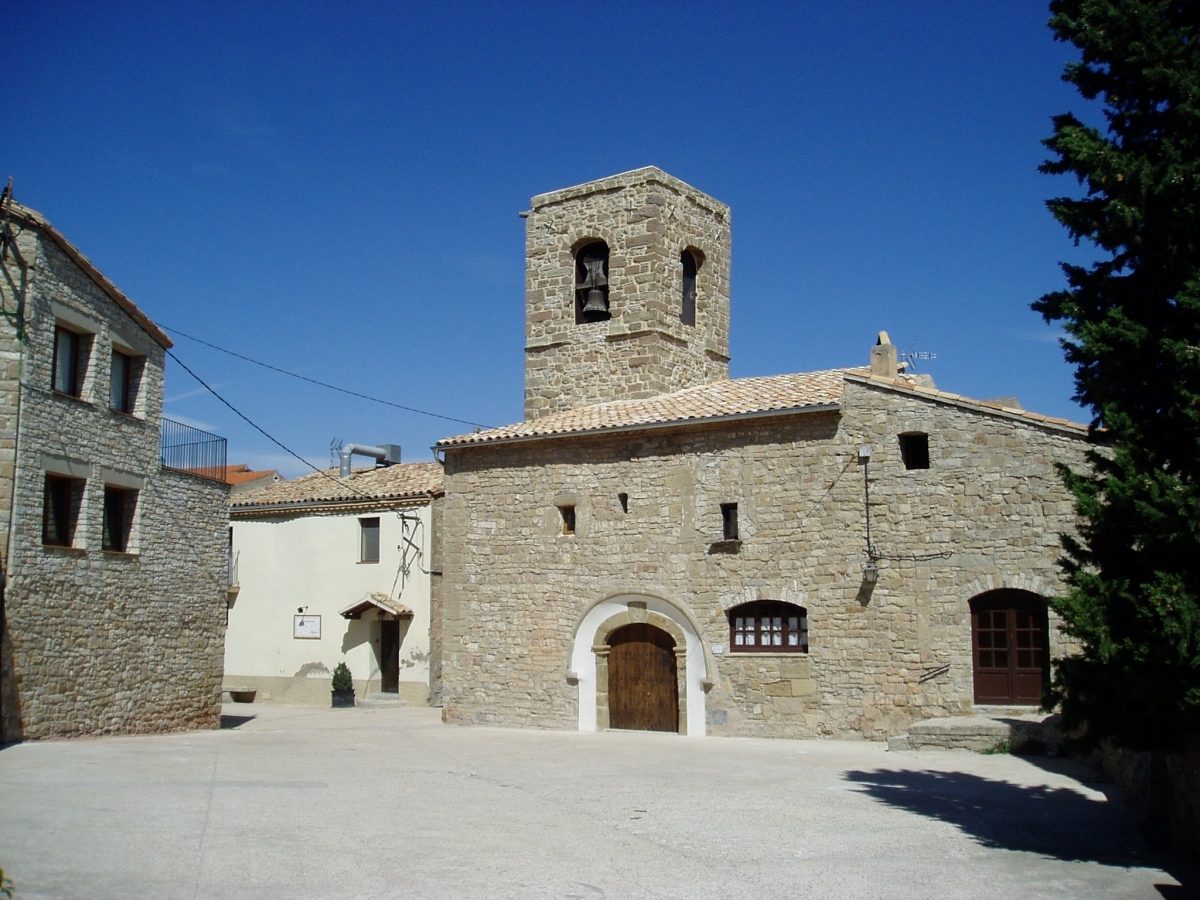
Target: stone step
pixel 1021 733
pixel 381 701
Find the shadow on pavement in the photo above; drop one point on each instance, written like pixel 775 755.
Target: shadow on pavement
pixel 235 721
pixel 1058 822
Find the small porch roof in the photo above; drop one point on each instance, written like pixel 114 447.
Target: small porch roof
pixel 381 602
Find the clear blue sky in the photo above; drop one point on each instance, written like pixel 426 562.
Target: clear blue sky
pixel 334 188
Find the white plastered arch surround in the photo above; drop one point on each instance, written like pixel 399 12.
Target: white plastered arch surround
pixel 583 659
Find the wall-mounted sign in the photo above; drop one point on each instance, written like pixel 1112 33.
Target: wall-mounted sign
pixel 306 627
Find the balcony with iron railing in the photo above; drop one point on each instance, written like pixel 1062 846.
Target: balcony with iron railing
pixel 191 450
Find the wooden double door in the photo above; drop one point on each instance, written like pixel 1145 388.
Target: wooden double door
pixel 643 692
pixel 1011 647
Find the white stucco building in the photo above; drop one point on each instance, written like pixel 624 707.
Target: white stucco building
pixel 333 569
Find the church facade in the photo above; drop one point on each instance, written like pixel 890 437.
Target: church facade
pixel 659 547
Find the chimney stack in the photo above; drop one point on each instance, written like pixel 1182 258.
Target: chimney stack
pixel 885 360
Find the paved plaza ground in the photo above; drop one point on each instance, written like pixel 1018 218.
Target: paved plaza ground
pixel 298 803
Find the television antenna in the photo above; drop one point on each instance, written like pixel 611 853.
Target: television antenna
pixel 910 356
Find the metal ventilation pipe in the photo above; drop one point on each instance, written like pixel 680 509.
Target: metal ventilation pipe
pixel 384 455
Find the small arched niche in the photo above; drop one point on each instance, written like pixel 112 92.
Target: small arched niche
pixel 690 260
pixel 591 282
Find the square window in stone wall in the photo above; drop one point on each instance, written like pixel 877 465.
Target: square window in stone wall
pixel 914 450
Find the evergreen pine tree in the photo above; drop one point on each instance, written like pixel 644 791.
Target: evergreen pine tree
pixel 1132 322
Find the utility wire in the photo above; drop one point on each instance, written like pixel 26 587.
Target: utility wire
pixel 332 387
pixel 274 440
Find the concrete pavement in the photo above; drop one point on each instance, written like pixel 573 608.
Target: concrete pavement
pixel 298 803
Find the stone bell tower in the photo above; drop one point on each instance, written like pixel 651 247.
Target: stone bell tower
pixel 626 291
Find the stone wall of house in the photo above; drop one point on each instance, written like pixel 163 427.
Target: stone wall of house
pixel 647 218
pixel 100 641
pixel 435 601
pixel 880 656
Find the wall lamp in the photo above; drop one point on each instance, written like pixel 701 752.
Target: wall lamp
pixel 871 572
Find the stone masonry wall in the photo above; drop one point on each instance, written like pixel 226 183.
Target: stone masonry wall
pixel 104 642
pixel 647 218
pixel 516 587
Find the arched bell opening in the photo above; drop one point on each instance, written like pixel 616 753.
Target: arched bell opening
pixel 690 260
pixel 591 283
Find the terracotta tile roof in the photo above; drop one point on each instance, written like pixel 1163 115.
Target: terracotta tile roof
pixel 739 397
pixel 406 481
pixel 239 473
pixel 37 220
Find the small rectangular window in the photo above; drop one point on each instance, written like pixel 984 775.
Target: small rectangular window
pixel 914 450
pixel 70 361
pixel 120 391
pixel 568 519
pixel 60 511
pixel 119 506
pixel 729 522
pixel 368 549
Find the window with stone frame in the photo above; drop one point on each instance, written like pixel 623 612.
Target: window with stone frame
pixel 69 365
pixel 123 386
pixel 62 499
pixel 768 626
pixel 119 506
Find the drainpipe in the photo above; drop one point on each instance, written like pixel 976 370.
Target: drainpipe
pixel 385 455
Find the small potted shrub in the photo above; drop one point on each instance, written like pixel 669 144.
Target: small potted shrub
pixel 343 686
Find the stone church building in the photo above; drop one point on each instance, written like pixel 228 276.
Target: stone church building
pixel 660 547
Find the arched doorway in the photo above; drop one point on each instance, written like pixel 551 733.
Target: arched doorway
pixel 643 689
pixel 1010 647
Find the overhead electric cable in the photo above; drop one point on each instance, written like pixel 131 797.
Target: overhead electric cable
pixel 274 440
pixel 332 387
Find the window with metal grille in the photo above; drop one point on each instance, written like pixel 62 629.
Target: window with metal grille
pixel 62 499
pixel 368 544
pixel 769 626
pixel 119 506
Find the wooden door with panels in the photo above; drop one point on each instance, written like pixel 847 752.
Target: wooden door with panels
pixel 1011 647
pixel 643 692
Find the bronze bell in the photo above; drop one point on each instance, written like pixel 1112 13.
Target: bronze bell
pixel 594 279
pixel 595 302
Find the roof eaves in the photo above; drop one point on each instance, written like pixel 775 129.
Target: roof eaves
pixel 643 426
pixel 1008 412
pixel 354 503
pixel 37 220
